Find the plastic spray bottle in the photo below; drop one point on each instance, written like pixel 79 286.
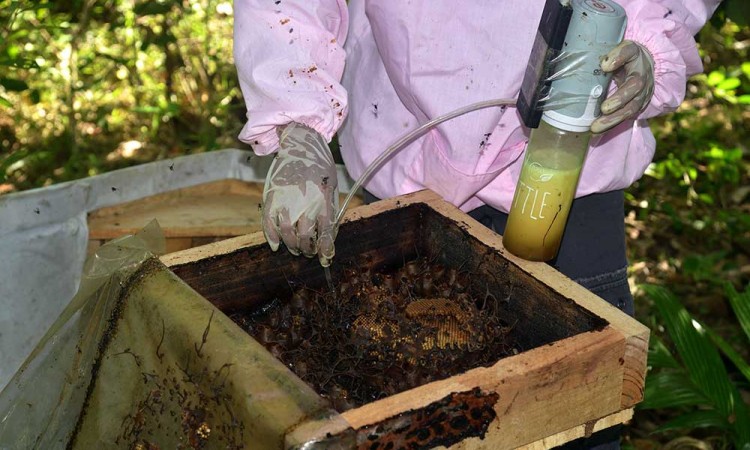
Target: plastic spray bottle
pixel 557 148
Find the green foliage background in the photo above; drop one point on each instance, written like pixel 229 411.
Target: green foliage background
pixel 88 86
pixel 688 223
pixel 82 76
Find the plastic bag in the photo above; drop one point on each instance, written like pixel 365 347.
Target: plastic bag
pixel 139 360
pixel 35 406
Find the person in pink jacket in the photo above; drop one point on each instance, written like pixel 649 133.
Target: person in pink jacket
pixel 373 70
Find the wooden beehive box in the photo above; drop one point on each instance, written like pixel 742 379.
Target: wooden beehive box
pixel 581 364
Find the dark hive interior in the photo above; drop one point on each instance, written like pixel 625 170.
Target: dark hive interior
pixel 415 298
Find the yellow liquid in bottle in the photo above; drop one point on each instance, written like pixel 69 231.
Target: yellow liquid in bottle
pixel 540 208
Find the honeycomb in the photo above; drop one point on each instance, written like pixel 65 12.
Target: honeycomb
pixel 383 332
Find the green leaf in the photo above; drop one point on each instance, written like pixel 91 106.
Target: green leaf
pixel 11 159
pixel 659 355
pixel 5 102
pixel 746 68
pixel 14 85
pixel 702 360
pixel 715 77
pixel 147 109
pixel 706 198
pixel 696 419
pixel 730 353
pixel 18 34
pixel 729 84
pixel 13 51
pixel 744 99
pixel 715 152
pixel 740 303
pixel 741 425
pixel 670 389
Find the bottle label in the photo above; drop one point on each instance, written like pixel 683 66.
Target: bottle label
pixel 539 211
pixel 534 198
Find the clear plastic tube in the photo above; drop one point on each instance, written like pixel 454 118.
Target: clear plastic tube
pixel 411 137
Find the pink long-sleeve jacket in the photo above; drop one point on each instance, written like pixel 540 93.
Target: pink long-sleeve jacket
pixel 375 69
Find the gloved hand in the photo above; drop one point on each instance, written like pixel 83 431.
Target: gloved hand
pixel 634 75
pixel 300 197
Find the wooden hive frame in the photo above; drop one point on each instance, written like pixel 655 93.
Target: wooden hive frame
pixel 541 397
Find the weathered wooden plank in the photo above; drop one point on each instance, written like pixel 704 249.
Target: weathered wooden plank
pixel 542 391
pixel 220 208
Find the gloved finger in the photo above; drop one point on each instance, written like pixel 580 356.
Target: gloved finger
pixel 625 52
pixel 307 236
pixel 327 228
pixel 326 249
pixel 288 233
pixel 608 121
pixel 271 229
pixel 624 94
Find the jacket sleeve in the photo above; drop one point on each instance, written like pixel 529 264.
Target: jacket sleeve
pixel 666 28
pixel 289 57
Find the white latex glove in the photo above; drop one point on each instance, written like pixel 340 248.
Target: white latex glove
pixel 300 197
pixel 633 70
